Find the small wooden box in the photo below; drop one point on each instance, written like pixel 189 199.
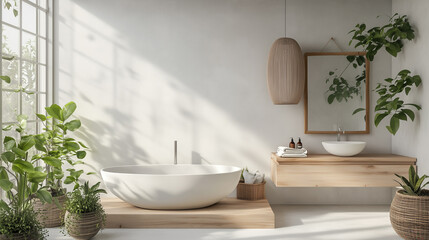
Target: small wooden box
pixel 251 191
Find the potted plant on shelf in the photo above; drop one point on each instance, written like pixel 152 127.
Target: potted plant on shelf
pixel 85 215
pixel 409 211
pixel 251 185
pixel 21 181
pixel 57 148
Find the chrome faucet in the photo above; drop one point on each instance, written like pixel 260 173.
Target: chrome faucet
pixel 339 132
pixel 175 152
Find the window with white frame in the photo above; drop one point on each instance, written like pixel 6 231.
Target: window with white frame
pixel 25 41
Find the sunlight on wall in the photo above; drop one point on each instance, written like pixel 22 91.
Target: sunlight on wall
pixel 132 110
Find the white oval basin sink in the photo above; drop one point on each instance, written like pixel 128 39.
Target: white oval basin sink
pixel 344 148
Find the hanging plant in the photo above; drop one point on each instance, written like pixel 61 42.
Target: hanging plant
pixel 390 36
pixel 389 103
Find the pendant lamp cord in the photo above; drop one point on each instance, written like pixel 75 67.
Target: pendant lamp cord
pixel 285 19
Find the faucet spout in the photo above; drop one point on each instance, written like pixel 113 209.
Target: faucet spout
pixel 339 132
pixel 175 152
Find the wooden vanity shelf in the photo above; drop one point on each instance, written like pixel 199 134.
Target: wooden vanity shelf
pixel 323 170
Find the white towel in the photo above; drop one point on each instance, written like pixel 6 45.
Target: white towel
pixel 291 151
pixel 286 155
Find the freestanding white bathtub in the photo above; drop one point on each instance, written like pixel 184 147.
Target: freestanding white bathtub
pixel 171 186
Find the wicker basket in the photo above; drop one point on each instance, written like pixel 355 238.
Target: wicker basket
pixel 251 191
pixel 83 226
pixel 49 215
pixel 409 215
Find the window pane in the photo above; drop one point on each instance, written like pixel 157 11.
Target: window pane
pixel 42 3
pixel 11 69
pixel 10 133
pixel 42 50
pixel 42 23
pixel 28 17
pixel 42 103
pixel 31 129
pixel 10 41
pixel 42 78
pixel 29 105
pixel 29 46
pixel 8 15
pixel 28 77
pixel 10 106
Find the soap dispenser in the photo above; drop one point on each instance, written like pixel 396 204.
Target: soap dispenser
pixel 299 143
pixel 292 143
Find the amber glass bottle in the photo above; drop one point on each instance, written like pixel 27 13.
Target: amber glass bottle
pixel 292 143
pixel 299 144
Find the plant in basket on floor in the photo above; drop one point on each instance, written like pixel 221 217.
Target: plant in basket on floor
pixel 409 211
pixel 21 181
pixel 251 185
pixel 57 148
pixel 85 215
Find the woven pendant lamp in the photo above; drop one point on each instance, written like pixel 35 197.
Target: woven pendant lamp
pixel 286 71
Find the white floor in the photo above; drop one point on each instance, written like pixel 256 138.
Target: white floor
pixel 292 222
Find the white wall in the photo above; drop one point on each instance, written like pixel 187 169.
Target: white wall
pixel 412 138
pixel 145 73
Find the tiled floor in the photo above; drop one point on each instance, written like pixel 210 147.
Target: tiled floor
pixel 293 222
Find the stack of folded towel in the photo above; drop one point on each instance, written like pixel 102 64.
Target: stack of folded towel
pixel 286 152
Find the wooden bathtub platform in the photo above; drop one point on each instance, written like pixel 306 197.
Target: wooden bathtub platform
pixel 228 213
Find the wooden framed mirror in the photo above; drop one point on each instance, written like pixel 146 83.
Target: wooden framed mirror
pixel 336 92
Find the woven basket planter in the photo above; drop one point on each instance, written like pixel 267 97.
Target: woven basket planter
pixel 49 215
pixel 409 215
pixel 251 191
pixel 83 226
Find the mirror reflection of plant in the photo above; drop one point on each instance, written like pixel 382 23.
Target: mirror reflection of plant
pixel 57 147
pixel 340 89
pixel 389 36
pixel 390 104
pixel 21 181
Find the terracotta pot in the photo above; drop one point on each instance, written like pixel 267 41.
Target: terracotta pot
pixel 409 215
pixel 49 215
pixel 83 226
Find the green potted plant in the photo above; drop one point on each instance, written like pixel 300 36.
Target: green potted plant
pixel 251 185
pixel 56 148
pixel 85 215
pixel 409 211
pixel 21 181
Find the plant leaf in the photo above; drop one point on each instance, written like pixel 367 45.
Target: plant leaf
pixel 80 154
pixel 68 110
pixel 36 176
pixel 409 112
pixel 6 185
pixel 73 125
pixel 394 124
pixel 8 156
pixel 379 117
pixel 358 110
pixel 54 111
pixel 5 78
pixel 44 196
